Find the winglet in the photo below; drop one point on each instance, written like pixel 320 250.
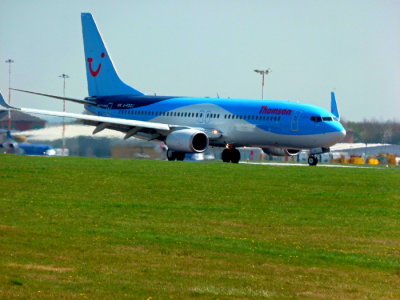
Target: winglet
pixel 4 104
pixel 334 109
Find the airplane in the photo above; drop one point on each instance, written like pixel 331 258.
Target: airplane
pixel 193 124
pixel 10 145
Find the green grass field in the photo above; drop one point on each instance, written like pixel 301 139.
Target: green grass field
pixel 79 228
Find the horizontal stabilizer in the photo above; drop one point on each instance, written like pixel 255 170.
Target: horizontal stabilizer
pixel 81 101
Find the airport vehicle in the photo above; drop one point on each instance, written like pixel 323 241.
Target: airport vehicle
pixel 191 125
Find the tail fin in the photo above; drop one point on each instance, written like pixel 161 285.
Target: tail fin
pixel 9 136
pixel 334 109
pixel 102 77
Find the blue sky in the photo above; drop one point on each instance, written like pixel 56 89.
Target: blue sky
pixel 205 48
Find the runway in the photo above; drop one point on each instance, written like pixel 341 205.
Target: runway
pixel 306 165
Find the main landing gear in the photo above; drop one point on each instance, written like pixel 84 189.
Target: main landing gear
pixel 312 160
pixel 230 154
pixel 175 155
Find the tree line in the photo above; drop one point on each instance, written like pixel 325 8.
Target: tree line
pixel 373 131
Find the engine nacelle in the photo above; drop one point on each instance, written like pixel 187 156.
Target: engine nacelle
pixel 187 140
pixel 281 151
pixel 9 145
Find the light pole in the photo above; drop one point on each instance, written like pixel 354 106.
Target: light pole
pixel 9 61
pixel 63 76
pixel 263 73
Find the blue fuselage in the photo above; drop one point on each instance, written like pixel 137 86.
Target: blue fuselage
pixel 237 121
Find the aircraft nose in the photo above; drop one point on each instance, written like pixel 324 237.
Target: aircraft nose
pixel 343 133
pixel 340 132
pixel 337 132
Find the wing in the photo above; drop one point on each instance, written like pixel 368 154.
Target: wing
pixel 147 130
pixel 141 129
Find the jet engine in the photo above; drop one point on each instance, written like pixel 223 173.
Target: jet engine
pixel 281 151
pixel 187 140
pixel 9 145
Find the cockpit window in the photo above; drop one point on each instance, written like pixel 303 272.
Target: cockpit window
pixel 320 119
pixel 316 119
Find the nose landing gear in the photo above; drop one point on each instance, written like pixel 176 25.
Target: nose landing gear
pixel 312 160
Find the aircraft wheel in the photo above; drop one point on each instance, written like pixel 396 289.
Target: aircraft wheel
pixel 235 156
pixel 312 160
pixel 226 155
pixel 180 155
pixel 171 155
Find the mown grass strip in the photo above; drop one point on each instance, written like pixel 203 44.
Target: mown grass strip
pixel 77 227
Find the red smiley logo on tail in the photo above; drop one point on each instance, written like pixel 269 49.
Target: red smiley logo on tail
pixel 95 72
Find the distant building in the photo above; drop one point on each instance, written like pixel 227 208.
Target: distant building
pixel 20 121
pixel 365 150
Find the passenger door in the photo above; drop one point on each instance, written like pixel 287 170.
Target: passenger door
pixel 295 120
